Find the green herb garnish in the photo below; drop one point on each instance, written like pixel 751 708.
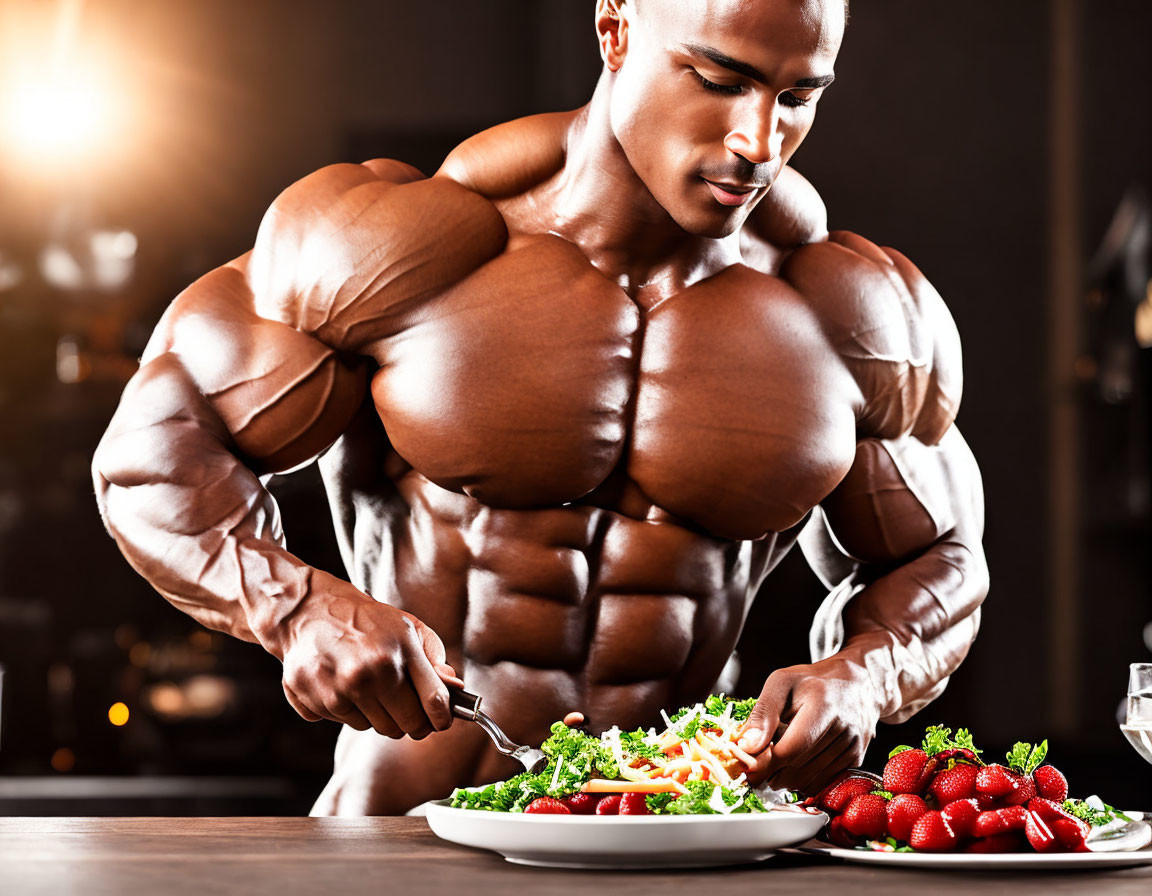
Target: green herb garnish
pixel 1026 758
pixel 1093 816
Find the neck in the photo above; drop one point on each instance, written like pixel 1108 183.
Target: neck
pixel 603 206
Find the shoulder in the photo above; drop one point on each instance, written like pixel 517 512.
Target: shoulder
pixel 890 326
pixel 347 243
pixel 791 215
pixel 511 158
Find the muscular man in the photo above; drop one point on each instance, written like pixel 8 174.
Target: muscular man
pixel 573 397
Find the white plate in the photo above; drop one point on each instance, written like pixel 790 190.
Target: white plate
pixel 1005 861
pixel 625 841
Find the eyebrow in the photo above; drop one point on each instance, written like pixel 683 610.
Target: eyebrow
pixel 749 70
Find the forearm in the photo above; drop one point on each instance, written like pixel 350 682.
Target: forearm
pixel 908 630
pixel 192 518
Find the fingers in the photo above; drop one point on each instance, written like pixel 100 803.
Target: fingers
pixel 371 666
pixel 840 755
pixel 831 756
pixel 758 773
pixel 434 649
pixel 361 717
pixel 816 747
pixel 423 664
pixel 448 675
pixel 796 770
pixel 804 732
pixel 765 716
pixel 379 719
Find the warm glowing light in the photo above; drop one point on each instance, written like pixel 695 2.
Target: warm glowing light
pixel 139 654
pixel 67 112
pixel 118 714
pixel 63 760
pixel 167 699
pixel 59 97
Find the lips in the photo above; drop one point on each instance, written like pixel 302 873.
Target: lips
pixel 731 194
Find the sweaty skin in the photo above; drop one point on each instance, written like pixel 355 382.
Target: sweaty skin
pixel 572 402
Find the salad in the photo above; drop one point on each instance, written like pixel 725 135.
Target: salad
pixel 693 766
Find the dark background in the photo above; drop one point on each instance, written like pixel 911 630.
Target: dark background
pixel 952 133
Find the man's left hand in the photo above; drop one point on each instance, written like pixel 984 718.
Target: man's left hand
pixel 826 713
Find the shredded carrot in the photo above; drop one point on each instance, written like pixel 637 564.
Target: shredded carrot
pixel 655 785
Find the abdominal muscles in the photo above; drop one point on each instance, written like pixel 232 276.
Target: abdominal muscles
pixel 578 607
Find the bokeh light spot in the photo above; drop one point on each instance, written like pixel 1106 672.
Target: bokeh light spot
pixel 118 714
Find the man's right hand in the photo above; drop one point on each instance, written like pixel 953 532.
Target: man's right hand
pixel 354 660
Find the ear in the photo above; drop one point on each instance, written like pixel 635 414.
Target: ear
pixel 612 32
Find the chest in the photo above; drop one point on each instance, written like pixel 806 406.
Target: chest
pixel 531 381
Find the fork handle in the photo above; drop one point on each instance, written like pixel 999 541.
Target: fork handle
pixel 464 705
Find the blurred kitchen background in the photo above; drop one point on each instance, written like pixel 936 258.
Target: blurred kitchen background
pixel 1005 147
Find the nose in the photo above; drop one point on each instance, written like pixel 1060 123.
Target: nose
pixel 757 135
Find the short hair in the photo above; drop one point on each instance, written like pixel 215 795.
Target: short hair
pixel 635 2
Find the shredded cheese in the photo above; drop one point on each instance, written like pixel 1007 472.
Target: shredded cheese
pixel 716 802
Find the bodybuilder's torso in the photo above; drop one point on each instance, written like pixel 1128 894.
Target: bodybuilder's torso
pixel 579 485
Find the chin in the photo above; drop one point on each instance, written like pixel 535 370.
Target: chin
pixel 713 225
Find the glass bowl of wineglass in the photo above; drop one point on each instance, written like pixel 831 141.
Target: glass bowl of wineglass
pixel 1137 725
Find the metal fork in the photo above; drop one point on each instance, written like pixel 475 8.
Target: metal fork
pixel 467 706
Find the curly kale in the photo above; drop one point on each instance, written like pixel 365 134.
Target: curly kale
pixel 698 799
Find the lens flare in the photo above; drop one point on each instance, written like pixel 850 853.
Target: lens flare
pixel 55 116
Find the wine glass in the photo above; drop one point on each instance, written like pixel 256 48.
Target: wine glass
pixel 1138 722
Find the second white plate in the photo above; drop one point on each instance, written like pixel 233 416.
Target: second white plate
pixel 1005 861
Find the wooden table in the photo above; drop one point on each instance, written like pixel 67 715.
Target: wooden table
pixel 345 857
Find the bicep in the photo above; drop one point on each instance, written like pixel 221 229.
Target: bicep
pixel 900 497
pixel 280 396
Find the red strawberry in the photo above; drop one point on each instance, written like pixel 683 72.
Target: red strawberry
pixel 1069 830
pixel 960 816
pixel 1047 809
pixel 903 810
pixel 961 753
pixel 999 821
pixel 995 781
pixel 866 816
pixel 609 805
pixel 1051 829
pixel 1072 834
pixel 634 804
pixel 843 776
pixel 838 835
pixel 839 795
pixel 1050 784
pixel 1040 835
pixel 956 783
pixel 581 803
pixel 1025 791
pixel 1011 842
pixel 906 772
pixel 986 802
pixel 932 834
pixel 546 805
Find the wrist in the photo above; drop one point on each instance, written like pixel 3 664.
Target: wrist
pixel 866 662
pixel 283 606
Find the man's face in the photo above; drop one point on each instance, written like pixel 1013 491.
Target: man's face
pixel 713 97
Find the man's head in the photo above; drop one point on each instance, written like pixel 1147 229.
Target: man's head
pixel 710 98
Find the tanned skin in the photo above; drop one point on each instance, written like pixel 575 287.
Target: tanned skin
pixel 573 398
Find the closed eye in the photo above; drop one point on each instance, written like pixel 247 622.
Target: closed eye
pixel 793 101
pixel 729 89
